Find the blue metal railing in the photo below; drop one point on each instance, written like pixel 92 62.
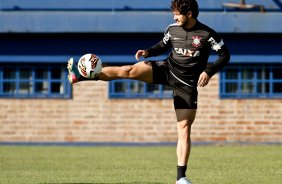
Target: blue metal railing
pixel 131 89
pixel 34 81
pixel 251 81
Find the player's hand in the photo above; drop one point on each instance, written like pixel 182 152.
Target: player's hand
pixel 140 53
pixel 203 79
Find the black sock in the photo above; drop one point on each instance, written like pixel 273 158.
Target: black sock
pixel 181 172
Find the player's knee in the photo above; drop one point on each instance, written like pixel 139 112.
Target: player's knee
pixel 184 130
pixel 184 135
pixel 184 125
pixel 129 72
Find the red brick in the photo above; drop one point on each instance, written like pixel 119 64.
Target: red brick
pixel 91 116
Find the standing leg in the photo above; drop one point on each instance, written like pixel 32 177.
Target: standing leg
pixel 185 118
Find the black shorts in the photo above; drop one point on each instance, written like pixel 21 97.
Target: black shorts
pixel 184 96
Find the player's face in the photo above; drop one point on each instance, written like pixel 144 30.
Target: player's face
pixel 180 19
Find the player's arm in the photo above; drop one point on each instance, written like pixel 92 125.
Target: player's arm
pixel 216 44
pixel 157 49
pixel 223 53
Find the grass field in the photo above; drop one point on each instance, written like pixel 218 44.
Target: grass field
pixel 259 164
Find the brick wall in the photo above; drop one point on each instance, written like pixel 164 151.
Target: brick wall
pixel 91 116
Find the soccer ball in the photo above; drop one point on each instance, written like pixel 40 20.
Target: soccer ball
pixel 89 65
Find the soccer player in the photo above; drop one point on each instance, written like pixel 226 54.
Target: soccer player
pixel 184 70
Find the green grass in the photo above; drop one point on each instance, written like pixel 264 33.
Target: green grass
pixel 139 165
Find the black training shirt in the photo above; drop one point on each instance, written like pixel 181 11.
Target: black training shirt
pixel 190 51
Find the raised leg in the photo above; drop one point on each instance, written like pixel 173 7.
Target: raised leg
pixel 141 71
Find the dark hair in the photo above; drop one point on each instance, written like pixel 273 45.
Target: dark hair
pixel 184 6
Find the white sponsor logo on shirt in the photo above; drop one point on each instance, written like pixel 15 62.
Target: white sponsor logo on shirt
pixel 187 52
pixel 214 45
pixel 166 37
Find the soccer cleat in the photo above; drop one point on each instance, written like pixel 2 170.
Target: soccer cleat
pixel 74 74
pixel 183 180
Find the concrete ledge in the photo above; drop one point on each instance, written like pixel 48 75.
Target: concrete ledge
pixel 133 22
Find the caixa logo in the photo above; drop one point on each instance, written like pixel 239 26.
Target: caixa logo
pixel 166 37
pixel 187 52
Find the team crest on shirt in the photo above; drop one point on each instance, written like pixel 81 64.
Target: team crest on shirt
pixel 196 41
